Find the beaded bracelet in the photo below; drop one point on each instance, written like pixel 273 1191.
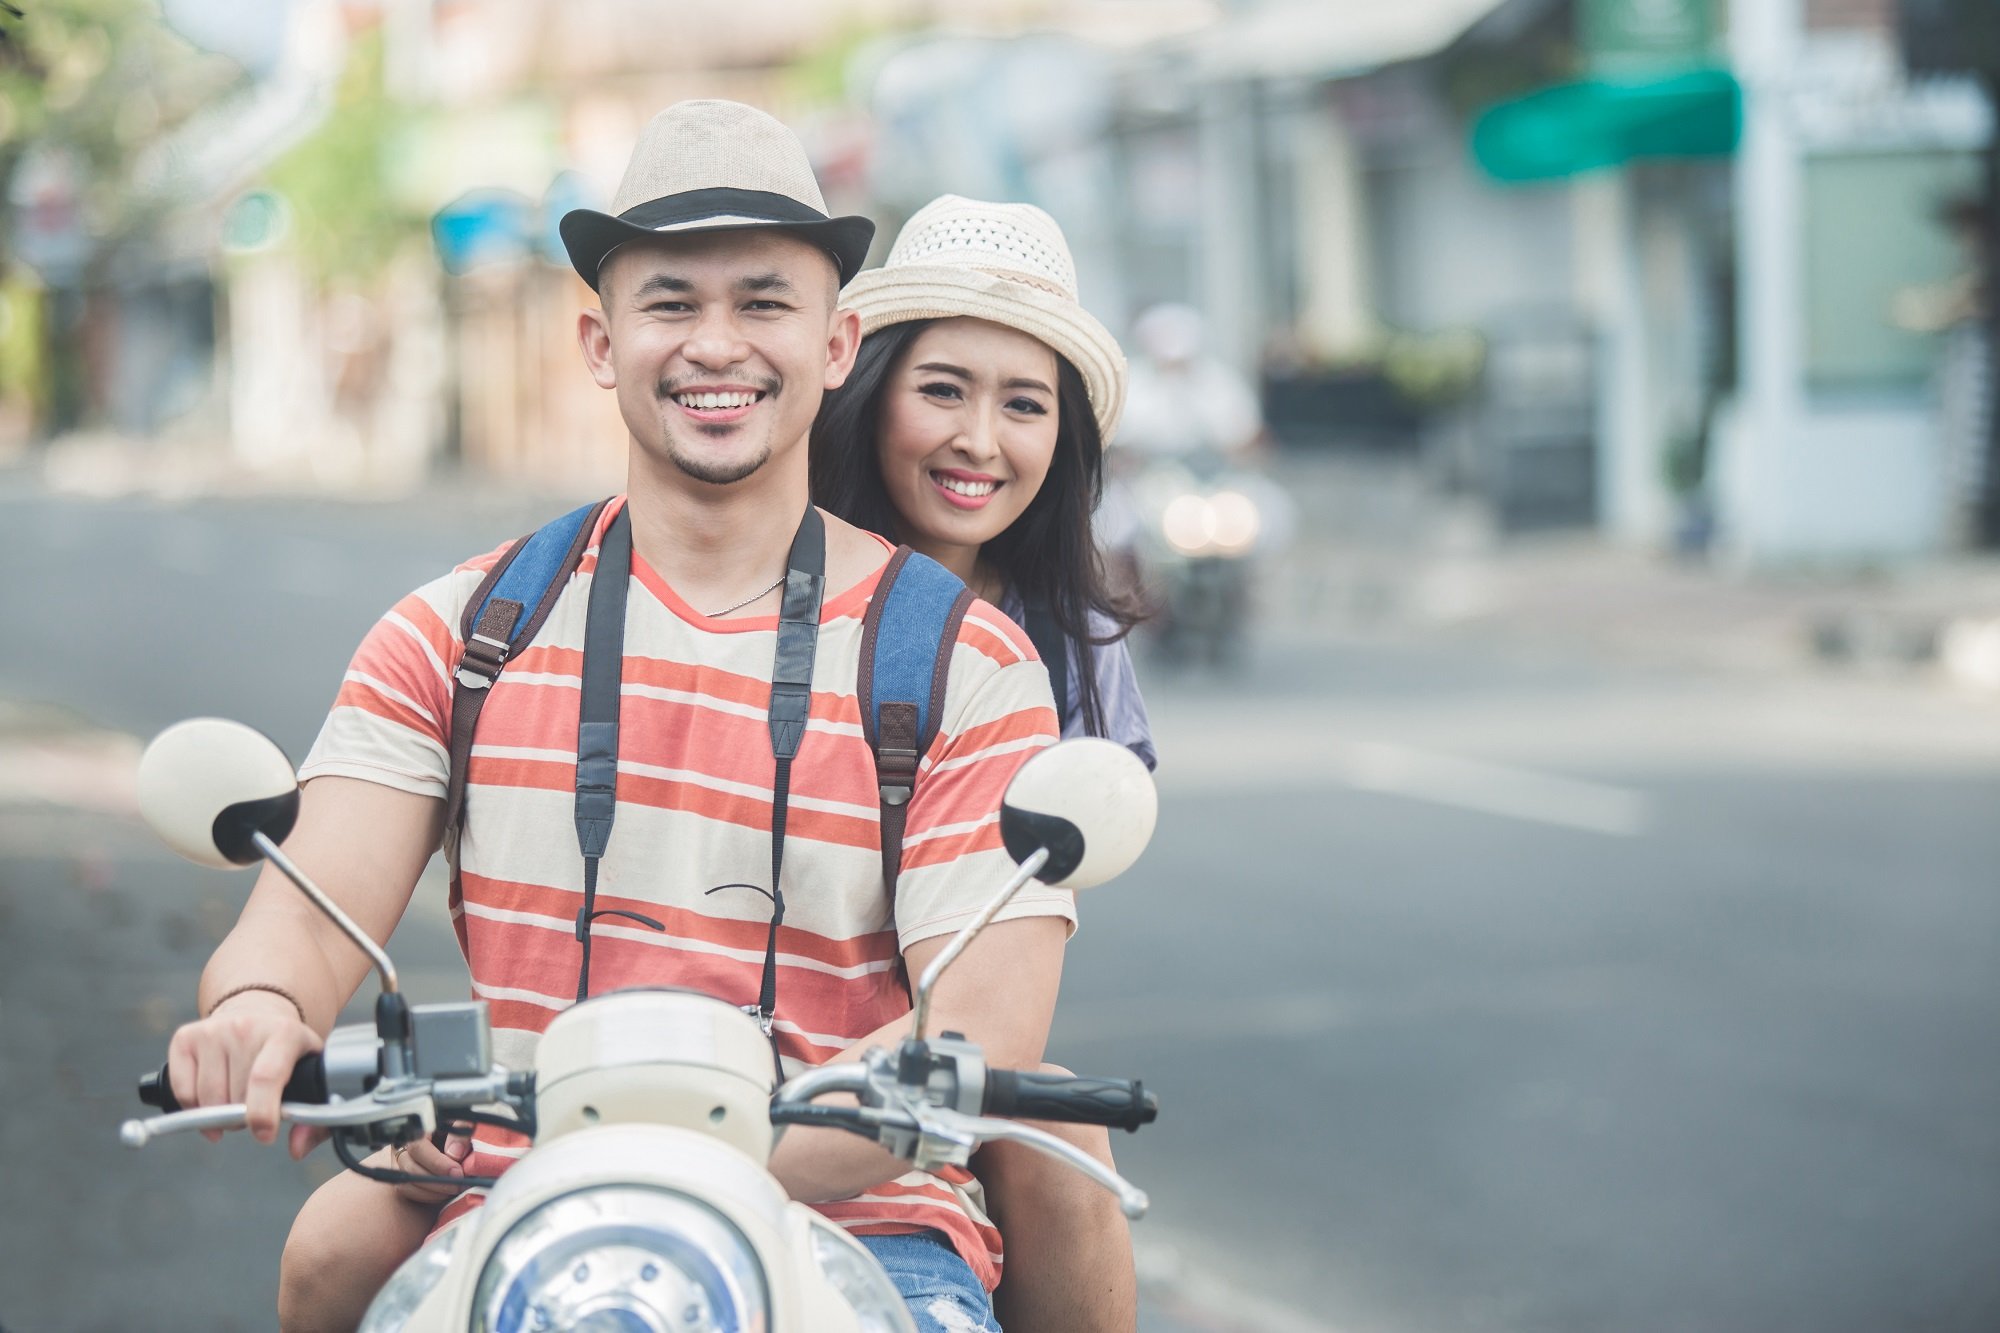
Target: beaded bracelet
pixel 279 991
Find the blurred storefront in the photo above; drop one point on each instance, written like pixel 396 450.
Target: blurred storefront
pixel 1680 337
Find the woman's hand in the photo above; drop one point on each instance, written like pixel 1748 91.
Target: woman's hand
pixel 424 1158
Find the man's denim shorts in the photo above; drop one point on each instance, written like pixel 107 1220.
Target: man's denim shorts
pixel 937 1285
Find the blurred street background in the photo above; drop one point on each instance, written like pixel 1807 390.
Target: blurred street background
pixel 1576 904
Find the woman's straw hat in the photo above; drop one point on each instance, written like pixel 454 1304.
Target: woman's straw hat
pixel 1007 263
pixel 713 166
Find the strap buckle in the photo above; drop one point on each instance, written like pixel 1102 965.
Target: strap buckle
pixel 896 771
pixel 480 665
pixel 764 1020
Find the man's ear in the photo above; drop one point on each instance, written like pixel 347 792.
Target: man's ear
pixel 593 335
pixel 842 347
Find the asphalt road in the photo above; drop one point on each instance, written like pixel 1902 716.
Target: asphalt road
pixel 1484 987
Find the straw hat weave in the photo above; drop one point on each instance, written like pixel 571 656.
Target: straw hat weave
pixel 1007 263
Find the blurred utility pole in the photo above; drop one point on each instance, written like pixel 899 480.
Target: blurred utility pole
pixel 1766 38
pixel 1963 37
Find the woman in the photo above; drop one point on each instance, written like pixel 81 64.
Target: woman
pixel 972 428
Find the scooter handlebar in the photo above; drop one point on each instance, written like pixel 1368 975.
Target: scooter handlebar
pixel 307 1084
pixel 1116 1103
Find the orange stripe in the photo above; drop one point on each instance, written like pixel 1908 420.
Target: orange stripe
pixel 354 694
pixel 560 904
pixel 991 645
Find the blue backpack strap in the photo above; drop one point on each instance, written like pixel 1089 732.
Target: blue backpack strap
pixel 531 573
pixel 906 642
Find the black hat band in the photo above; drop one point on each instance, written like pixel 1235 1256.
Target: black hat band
pixel 720 201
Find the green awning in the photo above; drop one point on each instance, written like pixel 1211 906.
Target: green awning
pixel 1576 127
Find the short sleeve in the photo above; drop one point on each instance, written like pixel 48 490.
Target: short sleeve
pixel 390 723
pixel 998 712
pixel 1118 698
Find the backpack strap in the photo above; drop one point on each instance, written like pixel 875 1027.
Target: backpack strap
pixel 531 573
pixel 1052 646
pixel 906 642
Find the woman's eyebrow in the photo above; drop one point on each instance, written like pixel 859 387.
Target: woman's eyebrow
pixel 1027 384
pixel 944 368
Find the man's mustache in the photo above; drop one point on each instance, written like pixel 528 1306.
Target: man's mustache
pixel 766 384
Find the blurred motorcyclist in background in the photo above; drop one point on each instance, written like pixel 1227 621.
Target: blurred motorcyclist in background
pixel 1183 401
pixel 1187 507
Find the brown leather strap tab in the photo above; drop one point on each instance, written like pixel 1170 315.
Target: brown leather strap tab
pixel 478 666
pixel 486 648
pixel 896 758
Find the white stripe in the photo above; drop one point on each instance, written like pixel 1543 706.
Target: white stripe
pixel 390 692
pixel 991 752
pixel 525 752
pixel 403 624
pixel 666 695
pixel 825 1039
pixel 486 992
pixel 555 678
pixel 514 1151
pixel 952 830
pixel 997 633
pixel 567 926
pixel 375 758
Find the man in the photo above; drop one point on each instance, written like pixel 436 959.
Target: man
pixel 718 332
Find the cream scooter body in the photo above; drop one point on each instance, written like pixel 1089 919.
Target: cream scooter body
pixel 665 1090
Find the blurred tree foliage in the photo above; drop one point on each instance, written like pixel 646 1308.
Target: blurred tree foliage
pixel 349 225
pixel 100 79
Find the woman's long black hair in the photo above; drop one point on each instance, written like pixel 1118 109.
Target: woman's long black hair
pixel 1047 555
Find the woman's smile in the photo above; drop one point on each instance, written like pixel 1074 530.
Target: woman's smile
pixel 965 490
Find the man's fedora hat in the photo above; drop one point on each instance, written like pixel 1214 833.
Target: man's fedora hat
pixel 712 166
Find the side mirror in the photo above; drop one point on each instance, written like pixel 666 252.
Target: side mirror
pixel 208 786
pixel 1089 802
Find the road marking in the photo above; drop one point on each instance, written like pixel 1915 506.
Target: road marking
pixel 1198 1299
pixel 1222 761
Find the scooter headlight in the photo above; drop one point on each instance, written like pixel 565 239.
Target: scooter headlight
pixel 1236 521
pixel 856 1276
pixel 406 1288
pixel 622 1259
pixel 1188 524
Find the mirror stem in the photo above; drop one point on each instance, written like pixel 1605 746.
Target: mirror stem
pixel 383 966
pixel 920 1009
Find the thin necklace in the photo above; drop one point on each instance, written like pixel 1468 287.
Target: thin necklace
pixel 762 592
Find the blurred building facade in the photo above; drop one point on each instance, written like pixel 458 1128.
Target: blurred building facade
pixel 1668 267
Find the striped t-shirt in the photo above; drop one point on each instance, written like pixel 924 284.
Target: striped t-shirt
pixel 691 843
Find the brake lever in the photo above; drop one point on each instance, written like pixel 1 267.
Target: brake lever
pixel 234 1115
pixel 957 1126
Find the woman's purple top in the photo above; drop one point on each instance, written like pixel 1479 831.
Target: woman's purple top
pixel 1122 706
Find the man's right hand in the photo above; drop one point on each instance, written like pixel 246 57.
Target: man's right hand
pixel 243 1051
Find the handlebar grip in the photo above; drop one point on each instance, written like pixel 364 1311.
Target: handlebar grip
pixel 307 1084
pixel 1117 1103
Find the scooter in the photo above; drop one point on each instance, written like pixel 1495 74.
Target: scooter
pixel 645 1204
pixel 1203 522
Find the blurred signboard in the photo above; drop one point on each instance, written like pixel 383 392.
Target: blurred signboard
pixel 485 227
pixel 1578 127
pixel 1623 36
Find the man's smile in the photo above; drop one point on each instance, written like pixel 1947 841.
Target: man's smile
pixel 717 404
